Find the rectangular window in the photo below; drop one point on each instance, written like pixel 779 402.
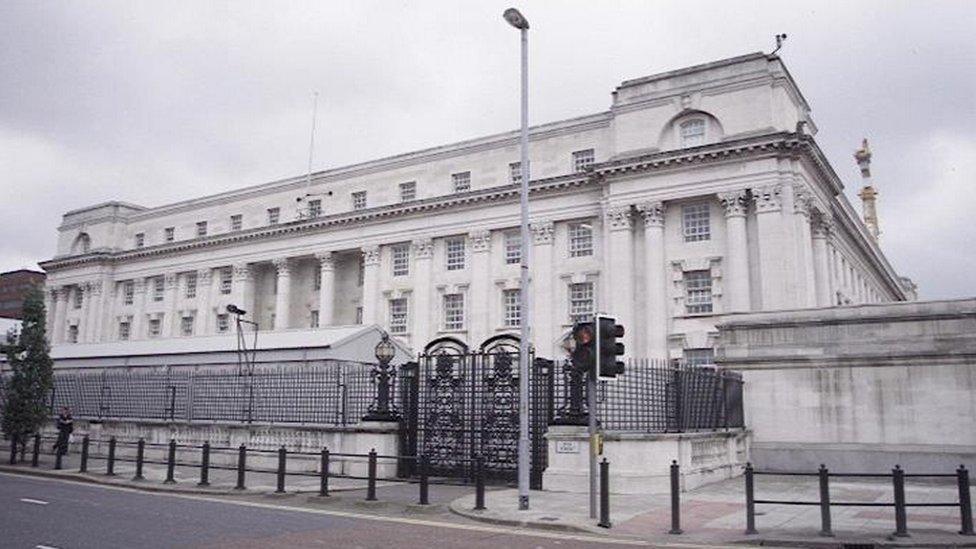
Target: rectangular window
pixel 359 200
pixel 513 248
pixel 698 292
pixel 398 316
pixel 696 222
pixel 401 259
pixel 359 315
pixel 201 228
pixel 692 132
pixel 512 305
pixel 455 253
pixel 128 292
pixel 515 172
pixel 313 320
pixel 236 222
pixel 699 357
pixel 223 323
pixel 169 234
pixel 125 330
pixel 186 326
pixel 582 160
pixel 73 333
pixel 314 208
pixel 453 312
pixel 581 302
pixel 580 239
pixel 274 214
pixel 408 191
pixel 154 327
pixel 78 297
pixel 462 182
pixel 191 285
pixel 158 288
pixel 140 240
pixel 226 280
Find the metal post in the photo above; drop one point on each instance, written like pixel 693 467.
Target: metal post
pixel 140 456
pixel 110 464
pixel 825 501
pixel 324 474
pixel 37 450
pixel 675 498
pixel 423 481
pixel 965 501
pixel 282 459
pixel 901 521
pixel 171 463
pixel 592 431
pixel 479 484
pixel 13 449
pixel 604 494
pixel 57 458
pixel 241 464
pixel 750 502
pixel 371 482
pixel 205 465
pixel 83 468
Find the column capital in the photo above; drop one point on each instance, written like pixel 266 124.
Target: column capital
pixel 734 203
pixel 802 200
pixel 282 265
pixel 371 255
pixel 139 286
pixel 423 248
pixel 326 260
pixel 204 276
pixel 653 213
pixel 95 287
pixel 767 198
pixel 618 218
pixel 480 240
pixel 542 232
pixel 821 226
pixel 169 281
pixel 241 272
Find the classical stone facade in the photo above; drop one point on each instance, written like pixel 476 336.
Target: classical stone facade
pixel 700 192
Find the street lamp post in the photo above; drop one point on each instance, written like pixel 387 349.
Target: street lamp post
pixel 518 21
pixel 380 410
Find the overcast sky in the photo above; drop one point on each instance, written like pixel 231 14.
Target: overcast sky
pixel 155 102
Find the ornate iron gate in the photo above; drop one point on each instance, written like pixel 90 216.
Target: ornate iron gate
pixel 460 404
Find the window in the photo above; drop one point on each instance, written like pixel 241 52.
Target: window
pixel 398 316
pixel 128 292
pixel 236 222
pixel 515 172
pixel 154 327
pixel 78 297
pixel 359 200
pixel 455 253
pixel 140 240
pixel 408 191
pixel 698 292
pixel 696 222
pixel 401 260
pixel 158 288
pixel 186 326
pixel 225 280
pixel 125 330
pixel 359 315
pixel 692 132
pixel 581 302
pixel 453 312
pixel 462 181
pixel 580 239
pixel 699 357
pixel 73 333
pixel 201 228
pixel 274 214
pixel 317 278
pixel 513 248
pixel 314 208
pixel 512 306
pixel 223 323
pixel 582 160
pixel 169 234
pixel 191 285
pixel 313 320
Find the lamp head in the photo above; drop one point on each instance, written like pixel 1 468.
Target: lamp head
pixel 516 19
pixel 385 351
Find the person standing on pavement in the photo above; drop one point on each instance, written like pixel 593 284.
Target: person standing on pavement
pixel 66 424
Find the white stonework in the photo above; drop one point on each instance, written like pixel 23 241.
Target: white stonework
pixel 751 218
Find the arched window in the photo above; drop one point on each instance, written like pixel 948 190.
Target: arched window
pixel 692 132
pixel 82 244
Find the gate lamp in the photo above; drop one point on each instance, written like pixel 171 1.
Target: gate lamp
pixel 380 410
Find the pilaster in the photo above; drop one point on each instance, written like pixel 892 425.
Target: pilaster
pixel 206 321
pixel 371 272
pixel 326 288
pixel 542 330
pixel 618 264
pixel 283 296
pixel 737 250
pixel 171 324
pixel 422 254
pixel 479 328
pixel 821 260
pixel 657 308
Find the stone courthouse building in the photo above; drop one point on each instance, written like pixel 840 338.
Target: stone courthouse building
pixel 699 192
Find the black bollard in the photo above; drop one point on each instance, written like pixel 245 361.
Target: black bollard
pixel 965 501
pixel 423 481
pixel 13 449
pixel 205 465
pixel 58 454
pixel 371 481
pixel 901 521
pixel 83 468
pixel 241 464
pixel 750 502
pixel 479 484
pixel 37 450
pixel 140 457
pixel 171 463
pixel 110 464
pixel 825 529
pixel 282 458
pixel 324 474
pixel 675 498
pixel 604 494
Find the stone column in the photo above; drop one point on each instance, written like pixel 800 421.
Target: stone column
pixel 242 291
pixel 776 251
pixel 326 288
pixel 84 322
pixel 737 251
pixel 94 312
pixel 138 308
pixel 371 284
pixel 171 324
pixel 283 295
pixel 657 308
pixel 545 320
pixel 805 278
pixel 821 261
pixel 479 328
pixel 60 318
pixel 420 309
pixel 205 321
pixel 619 265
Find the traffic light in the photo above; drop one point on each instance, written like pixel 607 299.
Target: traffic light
pixel 608 348
pixel 583 355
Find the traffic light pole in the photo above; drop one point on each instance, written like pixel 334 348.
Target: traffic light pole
pixel 592 427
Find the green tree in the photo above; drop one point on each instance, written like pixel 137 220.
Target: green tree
pixel 31 377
